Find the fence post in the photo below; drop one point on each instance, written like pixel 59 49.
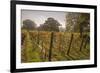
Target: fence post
pixel 42 51
pixel 60 42
pixel 70 44
pixel 81 44
pixel 38 37
pixel 50 48
pixel 86 41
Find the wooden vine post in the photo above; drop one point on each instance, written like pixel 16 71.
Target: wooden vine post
pixel 70 44
pixel 81 44
pixel 38 37
pixel 51 45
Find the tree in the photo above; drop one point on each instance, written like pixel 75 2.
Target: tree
pixel 71 21
pixel 78 22
pixel 50 25
pixel 29 24
pixel 84 23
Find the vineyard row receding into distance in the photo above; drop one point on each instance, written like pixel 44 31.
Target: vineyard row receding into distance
pixel 44 46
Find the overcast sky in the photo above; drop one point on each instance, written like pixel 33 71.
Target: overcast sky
pixel 39 17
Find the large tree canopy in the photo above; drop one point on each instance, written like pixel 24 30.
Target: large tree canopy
pixel 29 24
pixel 50 25
pixel 77 22
pixel 71 21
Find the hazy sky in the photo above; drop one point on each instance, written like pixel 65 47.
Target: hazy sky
pixel 39 17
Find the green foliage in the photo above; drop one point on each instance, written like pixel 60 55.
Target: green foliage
pixel 33 52
pixel 77 22
pixel 50 25
pixel 29 52
pixel 29 24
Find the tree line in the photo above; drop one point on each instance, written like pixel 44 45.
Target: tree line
pixel 49 25
pixel 75 22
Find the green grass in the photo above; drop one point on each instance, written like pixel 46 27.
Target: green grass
pixel 31 52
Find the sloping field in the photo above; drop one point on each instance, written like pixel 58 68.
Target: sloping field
pixel 41 46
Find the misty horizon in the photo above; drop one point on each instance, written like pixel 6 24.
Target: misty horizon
pixel 39 17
